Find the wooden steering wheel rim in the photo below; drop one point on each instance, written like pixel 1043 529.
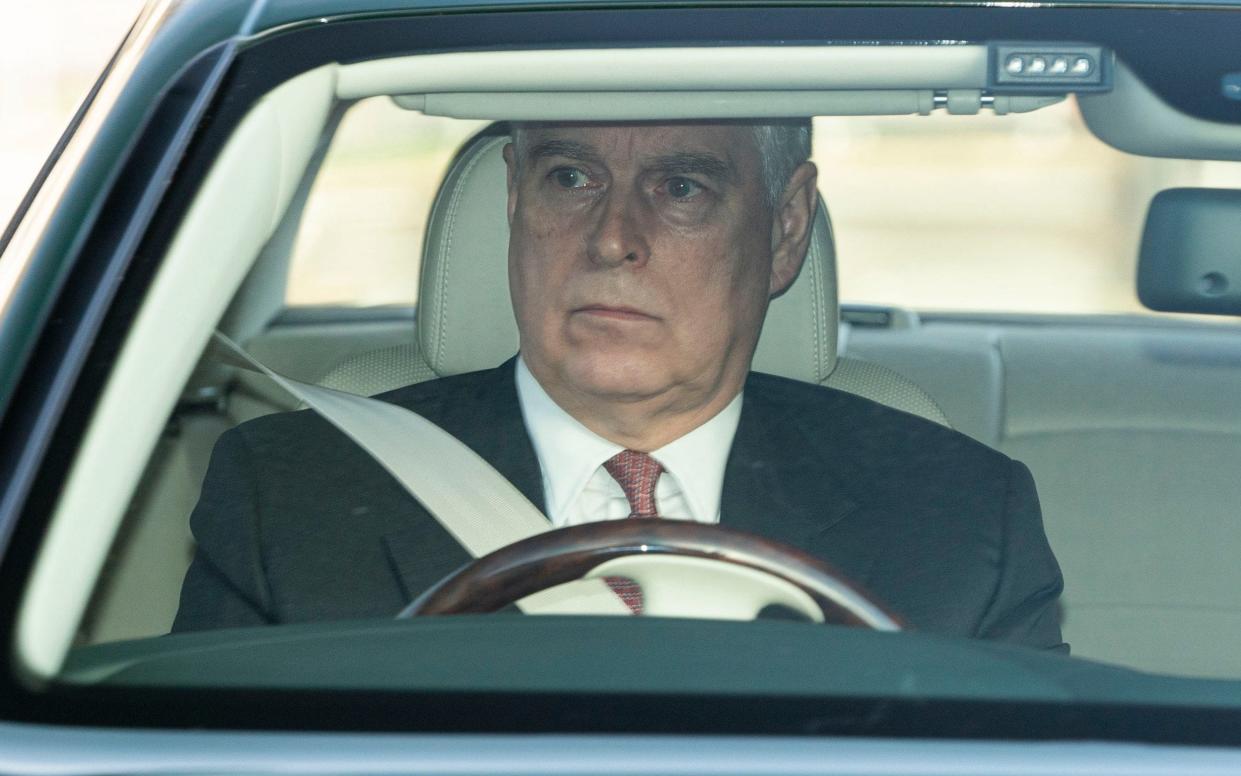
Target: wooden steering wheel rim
pixel 515 571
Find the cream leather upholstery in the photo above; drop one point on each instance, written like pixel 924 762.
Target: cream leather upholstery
pixel 465 317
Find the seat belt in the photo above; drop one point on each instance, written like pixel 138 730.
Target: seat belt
pixel 476 504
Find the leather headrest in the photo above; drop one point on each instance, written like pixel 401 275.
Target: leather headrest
pixel 465 316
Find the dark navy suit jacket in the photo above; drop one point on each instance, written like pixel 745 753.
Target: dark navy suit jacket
pixel 297 523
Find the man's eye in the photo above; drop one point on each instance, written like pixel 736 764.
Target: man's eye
pixel 569 177
pixel 681 188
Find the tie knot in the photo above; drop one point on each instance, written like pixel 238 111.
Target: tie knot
pixel 637 474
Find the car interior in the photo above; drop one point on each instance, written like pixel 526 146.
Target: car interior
pixel 1128 423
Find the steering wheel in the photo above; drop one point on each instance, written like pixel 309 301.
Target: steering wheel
pixel 665 557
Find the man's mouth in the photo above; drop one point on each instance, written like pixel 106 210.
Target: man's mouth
pixel 616 312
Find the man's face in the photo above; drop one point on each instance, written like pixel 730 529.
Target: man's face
pixel 642 257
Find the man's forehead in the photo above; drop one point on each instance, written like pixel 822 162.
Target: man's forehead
pixel 730 141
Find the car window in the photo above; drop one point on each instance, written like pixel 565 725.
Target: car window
pixel 929 213
pixel 915 414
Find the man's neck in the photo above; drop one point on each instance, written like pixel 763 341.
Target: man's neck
pixel 645 423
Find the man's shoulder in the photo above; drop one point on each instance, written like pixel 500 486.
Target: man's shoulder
pixel 842 419
pixel 488 385
pixel 785 392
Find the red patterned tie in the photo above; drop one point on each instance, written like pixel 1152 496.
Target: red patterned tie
pixel 637 473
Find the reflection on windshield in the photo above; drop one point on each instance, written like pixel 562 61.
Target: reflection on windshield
pixel 661 346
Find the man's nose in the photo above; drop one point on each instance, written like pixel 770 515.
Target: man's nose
pixel 619 237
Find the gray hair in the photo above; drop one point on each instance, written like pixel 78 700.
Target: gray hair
pixel 783 144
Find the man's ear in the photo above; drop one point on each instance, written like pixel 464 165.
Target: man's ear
pixel 510 165
pixel 791 226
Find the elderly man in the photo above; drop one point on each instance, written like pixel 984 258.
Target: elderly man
pixel 641 261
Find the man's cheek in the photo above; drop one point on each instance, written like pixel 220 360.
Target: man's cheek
pixel 547 231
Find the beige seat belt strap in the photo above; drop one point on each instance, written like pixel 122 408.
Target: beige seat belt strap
pixel 481 509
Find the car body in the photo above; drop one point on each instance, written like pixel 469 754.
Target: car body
pixel 154 224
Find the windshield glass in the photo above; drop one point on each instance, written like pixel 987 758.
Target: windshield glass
pixel 727 403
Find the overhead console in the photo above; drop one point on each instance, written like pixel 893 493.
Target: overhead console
pixel 724 81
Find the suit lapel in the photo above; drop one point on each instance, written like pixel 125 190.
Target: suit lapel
pixel 486 416
pixel 777 482
pixel 490 422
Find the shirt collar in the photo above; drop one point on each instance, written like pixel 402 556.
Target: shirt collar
pixel 699 458
pixel 569 453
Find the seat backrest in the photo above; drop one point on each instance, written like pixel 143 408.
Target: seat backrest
pixel 465 316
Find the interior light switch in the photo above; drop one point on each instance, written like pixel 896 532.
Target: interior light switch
pixel 1049 67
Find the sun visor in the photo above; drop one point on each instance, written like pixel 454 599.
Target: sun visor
pixel 1190 259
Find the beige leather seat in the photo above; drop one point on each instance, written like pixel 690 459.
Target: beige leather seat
pixel 465 318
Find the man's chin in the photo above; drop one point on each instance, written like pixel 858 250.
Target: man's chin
pixel 618 380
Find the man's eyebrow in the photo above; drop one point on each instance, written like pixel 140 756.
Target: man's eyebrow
pixel 688 163
pixel 563 148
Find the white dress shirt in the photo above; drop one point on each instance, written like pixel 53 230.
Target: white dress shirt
pixel 579 490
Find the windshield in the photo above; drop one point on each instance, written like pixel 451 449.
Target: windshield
pixel 622 401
